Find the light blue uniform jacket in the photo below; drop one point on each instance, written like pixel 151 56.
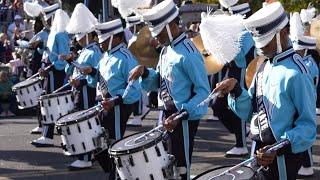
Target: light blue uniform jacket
pixel 182 66
pixel 114 68
pixel 58 45
pixel 89 56
pixel 288 90
pixel 313 69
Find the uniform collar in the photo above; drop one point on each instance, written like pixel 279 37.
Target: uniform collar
pixel 177 40
pixel 116 48
pixel 282 56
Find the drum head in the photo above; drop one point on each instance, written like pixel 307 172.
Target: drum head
pixel 242 173
pixel 76 117
pixel 47 96
pixel 135 143
pixel 25 83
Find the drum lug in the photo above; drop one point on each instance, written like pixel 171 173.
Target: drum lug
pixel 119 163
pixel 131 161
pixel 158 151
pixel 64 147
pixel 59 131
pixel 145 156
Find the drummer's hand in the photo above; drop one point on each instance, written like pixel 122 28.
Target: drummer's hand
pixel 42 72
pixel 136 72
pixel 86 70
pixel 263 158
pixel 170 123
pixel 75 82
pixel 225 86
pixel 62 57
pixel 107 104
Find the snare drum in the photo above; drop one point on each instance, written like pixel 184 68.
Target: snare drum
pixel 28 92
pixel 145 158
pixel 54 106
pixel 80 132
pixel 241 173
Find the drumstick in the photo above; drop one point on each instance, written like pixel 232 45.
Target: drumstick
pixel 45 69
pixel 158 128
pixel 212 97
pixel 62 87
pixel 77 65
pixel 274 148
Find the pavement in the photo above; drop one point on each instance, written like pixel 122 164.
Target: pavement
pixel 20 160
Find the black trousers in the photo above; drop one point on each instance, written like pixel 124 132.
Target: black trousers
pixel 293 163
pixel 108 122
pixel 307 158
pixel 221 109
pixel 176 143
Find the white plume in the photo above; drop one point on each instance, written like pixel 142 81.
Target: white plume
pixel 60 21
pixel 32 9
pixel 307 14
pixel 81 21
pixel 221 34
pixel 127 7
pixel 296 27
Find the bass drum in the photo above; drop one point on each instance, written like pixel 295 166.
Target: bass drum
pixel 142 49
pixel 212 65
pixel 241 173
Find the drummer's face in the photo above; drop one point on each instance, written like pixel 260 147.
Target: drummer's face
pixel 3 76
pixel 270 50
pixel 163 37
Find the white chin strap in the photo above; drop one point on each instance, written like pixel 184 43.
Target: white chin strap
pixel 305 52
pixel 169 33
pixel 87 39
pixel 279 47
pixel 134 29
pixel 110 43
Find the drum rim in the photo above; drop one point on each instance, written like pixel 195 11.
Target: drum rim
pixel 133 150
pixel 220 167
pixel 77 120
pixel 20 87
pixel 52 95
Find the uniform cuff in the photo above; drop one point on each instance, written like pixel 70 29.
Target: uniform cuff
pixel 145 73
pixel 236 91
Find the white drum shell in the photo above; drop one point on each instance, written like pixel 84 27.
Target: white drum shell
pixel 28 96
pixel 55 107
pixel 79 142
pixel 141 168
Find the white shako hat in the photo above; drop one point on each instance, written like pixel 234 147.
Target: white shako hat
pixel 108 29
pixel 159 17
pixel 267 23
pixel 49 11
pixel 228 3
pixel 299 40
pixel 240 9
pixel 133 20
pixel 82 21
pixel 307 14
pixel 304 42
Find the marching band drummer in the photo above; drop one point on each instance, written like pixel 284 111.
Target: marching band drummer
pixel 236 69
pixel 39 42
pixel 82 24
pixel 282 95
pixel 305 46
pixel 134 23
pixel 114 68
pixel 181 78
pixel 58 44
